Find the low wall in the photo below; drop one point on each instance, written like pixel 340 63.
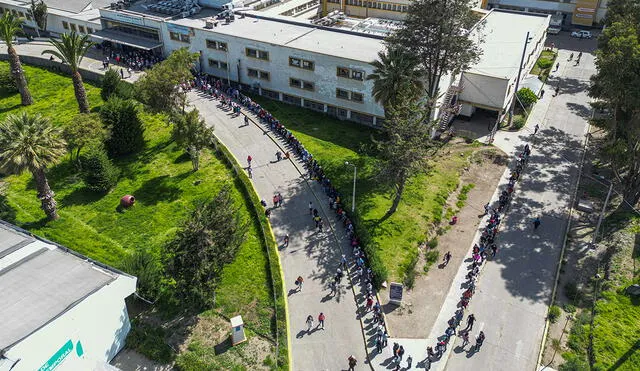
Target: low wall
pixel 55 66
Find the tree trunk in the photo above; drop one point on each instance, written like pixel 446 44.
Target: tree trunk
pixel 396 199
pixel 45 194
pixel 18 76
pixel 81 94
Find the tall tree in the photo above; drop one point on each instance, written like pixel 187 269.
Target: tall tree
pixel 83 131
pixel 71 49
pixel 207 241
pixel 191 131
pixel 31 142
pixel 39 13
pixel 10 26
pixel 408 146
pixel 110 83
pixel 160 88
pixel 617 84
pixel 437 33
pixel 395 70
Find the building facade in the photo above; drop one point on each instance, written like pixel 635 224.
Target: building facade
pixel 60 310
pixel 62 15
pixel 573 12
pixel 387 9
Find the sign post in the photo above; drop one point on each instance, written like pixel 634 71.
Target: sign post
pixel 395 293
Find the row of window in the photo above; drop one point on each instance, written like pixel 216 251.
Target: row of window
pixel 26 15
pixel 218 45
pixel 258 54
pixel 218 64
pixel 78 28
pixel 378 5
pixel 176 36
pixel 349 95
pixel 262 75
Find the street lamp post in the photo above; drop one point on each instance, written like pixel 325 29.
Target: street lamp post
pixel 515 92
pixel 353 196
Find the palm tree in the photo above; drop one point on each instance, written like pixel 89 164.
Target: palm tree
pixel 10 26
pixel 71 49
pixel 32 143
pixel 395 71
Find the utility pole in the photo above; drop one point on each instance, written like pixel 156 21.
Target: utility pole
pixel 515 92
pixel 604 209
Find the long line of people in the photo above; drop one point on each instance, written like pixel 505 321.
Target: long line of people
pixel 480 253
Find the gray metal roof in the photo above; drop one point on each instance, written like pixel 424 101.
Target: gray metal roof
pixel 39 281
pixel 77 6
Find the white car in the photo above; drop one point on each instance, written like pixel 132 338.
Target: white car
pixel 581 34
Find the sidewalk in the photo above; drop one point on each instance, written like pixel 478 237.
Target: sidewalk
pixel 311 254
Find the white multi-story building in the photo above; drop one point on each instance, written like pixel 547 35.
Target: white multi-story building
pixel 82 16
pixel 59 309
pixel 572 12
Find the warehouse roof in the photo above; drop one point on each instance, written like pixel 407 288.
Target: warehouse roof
pixel 39 281
pixel 501 37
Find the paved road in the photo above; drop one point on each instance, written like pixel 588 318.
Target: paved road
pixel 513 295
pixel 312 254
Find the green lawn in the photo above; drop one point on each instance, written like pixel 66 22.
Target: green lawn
pixel 333 142
pixel 548 57
pixel 165 187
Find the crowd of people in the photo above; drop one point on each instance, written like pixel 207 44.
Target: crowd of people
pixel 485 247
pixel 355 265
pixel 132 60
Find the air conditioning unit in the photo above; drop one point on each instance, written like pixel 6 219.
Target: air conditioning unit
pixel 208 24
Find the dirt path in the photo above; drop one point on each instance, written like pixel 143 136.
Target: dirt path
pixel 421 305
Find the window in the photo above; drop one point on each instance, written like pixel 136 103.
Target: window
pixel 270 94
pixel 222 46
pixel 361 118
pixel 301 84
pixel 73 27
pixel 259 54
pixel 342 94
pixel 223 65
pixel 218 64
pixel 306 85
pixel 184 38
pixel 357 75
pixel 295 62
pixel 314 105
pixel 212 44
pixel 213 63
pixel 357 97
pixel 308 65
pixel 65 25
pixel 174 36
pixel 29 16
pixel 262 75
pixel 81 29
pixel 342 72
pixel 21 14
pixel 89 30
pixel 295 82
pixel 291 99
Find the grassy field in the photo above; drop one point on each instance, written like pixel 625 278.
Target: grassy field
pixel 165 187
pixel 333 142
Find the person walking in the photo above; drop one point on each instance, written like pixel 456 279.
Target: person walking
pixel 309 323
pixel 470 320
pixel 378 345
pixel 409 361
pixel 400 353
pixel 246 120
pixel 557 90
pixel 536 222
pixel 122 73
pixel 352 363
pixel 570 56
pixel 299 282
pixel 487 207
pixel 275 200
pixel 286 240
pixel 447 258
pixel 321 318
pixel 250 172
pixel 479 340
pixel 310 208
pixel 395 348
pixel 465 338
pixel 535 129
pixel 249 158
pixel 557 66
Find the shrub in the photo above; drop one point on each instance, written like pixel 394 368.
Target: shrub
pixel 554 313
pixel 544 63
pixel 433 243
pixel 148 269
pixel 110 83
pixel 409 269
pixel 150 341
pixel 569 308
pixel 573 362
pixel 7 82
pixel 127 131
pixel 527 97
pixel 519 122
pixel 572 292
pixel 431 257
pixel 98 172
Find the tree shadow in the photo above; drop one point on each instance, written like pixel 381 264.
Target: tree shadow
pixel 9 109
pixel 223 346
pixel 160 188
pixel 82 196
pixel 7 213
pixel 182 158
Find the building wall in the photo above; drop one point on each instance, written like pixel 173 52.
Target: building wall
pixel 550 7
pixel 324 75
pixel 100 324
pixel 391 9
pixel 484 91
pixel 88 20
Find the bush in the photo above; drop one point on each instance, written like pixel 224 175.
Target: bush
pixel 7 82
pixel 150 341
pixel 573 293
pixel 98 172
pixel 527 97
pixel 569 308
pixel 127 131
pixel 573 362
pixel 554 313
pixel 110 83
pixel 545 63
pixel 519 122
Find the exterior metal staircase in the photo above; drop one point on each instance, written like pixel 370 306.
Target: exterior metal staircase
pixel 450 106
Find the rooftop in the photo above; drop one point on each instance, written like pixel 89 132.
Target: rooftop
pixel 296 34
pixel 39 281
pixel 502 38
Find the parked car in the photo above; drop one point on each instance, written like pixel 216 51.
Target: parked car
pixel 554 30
pixel 581 34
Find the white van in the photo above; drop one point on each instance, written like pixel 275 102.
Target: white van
pixel 554 30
